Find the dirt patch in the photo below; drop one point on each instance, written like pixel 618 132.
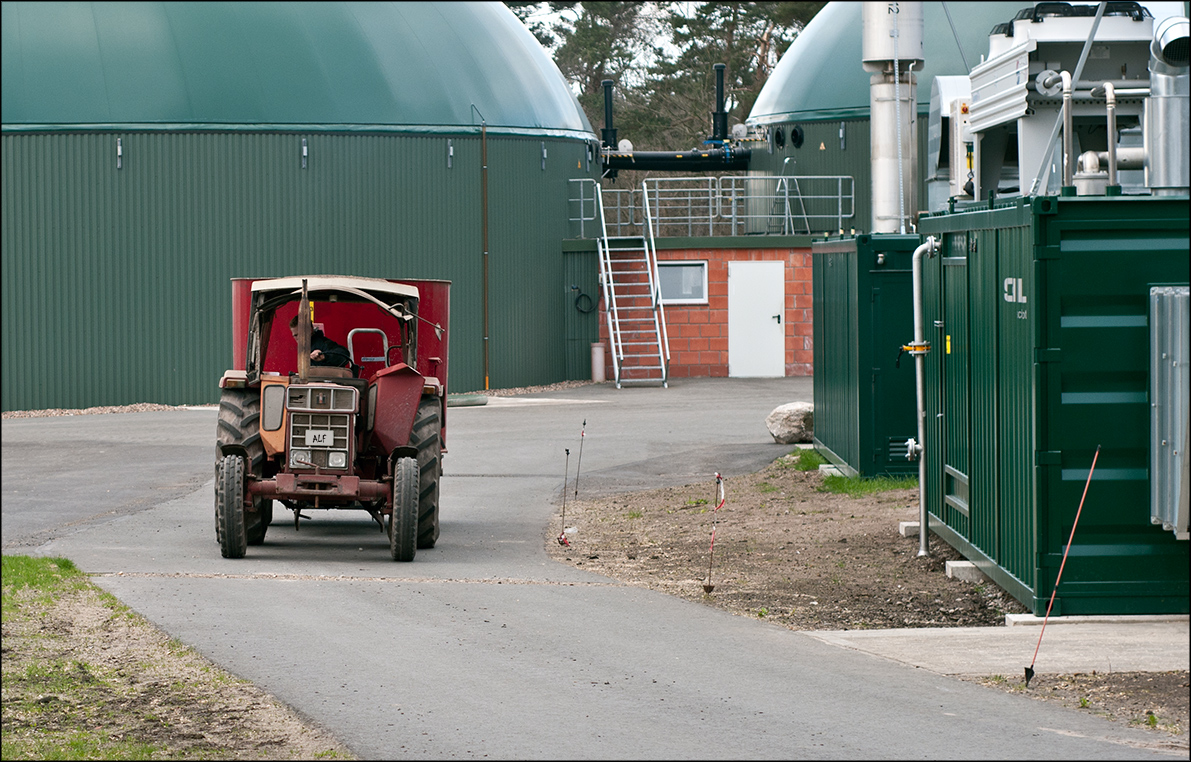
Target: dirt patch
pixel 84 678
pixel 789 553
pixel 784 551
pixel 1159 700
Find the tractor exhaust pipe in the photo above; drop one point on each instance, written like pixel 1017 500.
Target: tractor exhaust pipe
pixel 305 329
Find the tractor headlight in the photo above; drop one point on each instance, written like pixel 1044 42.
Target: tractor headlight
pixel 300 459
pixel 336 459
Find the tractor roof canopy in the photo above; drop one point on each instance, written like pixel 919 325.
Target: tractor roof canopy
pixel 377 288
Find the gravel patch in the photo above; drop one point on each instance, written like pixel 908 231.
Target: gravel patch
pixel 147 407
pixel 141 407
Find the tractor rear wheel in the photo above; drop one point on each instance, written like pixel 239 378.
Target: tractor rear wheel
pixel 240 424
pixel 426 437
pixel 403 521
pixel 229 507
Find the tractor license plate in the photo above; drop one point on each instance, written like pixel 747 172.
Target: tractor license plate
pixel 320 438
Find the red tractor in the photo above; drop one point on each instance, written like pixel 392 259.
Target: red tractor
pixel 369 437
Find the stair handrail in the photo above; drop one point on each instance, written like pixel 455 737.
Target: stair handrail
pixel 605 258
pixel 655 295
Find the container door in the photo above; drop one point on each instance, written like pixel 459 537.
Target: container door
pixel 956 383
pixel 756 319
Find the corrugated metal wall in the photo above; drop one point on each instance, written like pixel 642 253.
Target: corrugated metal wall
pixel 116 282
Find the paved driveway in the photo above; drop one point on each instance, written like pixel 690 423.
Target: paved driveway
pixel 483 647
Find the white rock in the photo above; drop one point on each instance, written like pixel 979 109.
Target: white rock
pixel 792 422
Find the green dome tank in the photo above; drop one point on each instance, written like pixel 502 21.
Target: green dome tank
pixel 252 65
pixel 820 76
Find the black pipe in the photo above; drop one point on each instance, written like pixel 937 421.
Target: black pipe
pixel 608 134
pixel 707 160
pixel 719 117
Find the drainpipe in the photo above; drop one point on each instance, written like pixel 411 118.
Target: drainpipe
pixel 484 233
pixel 918 349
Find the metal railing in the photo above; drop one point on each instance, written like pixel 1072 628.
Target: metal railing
pixel 786 205
pixel 619 213
pixel 682 206
pixel 711 206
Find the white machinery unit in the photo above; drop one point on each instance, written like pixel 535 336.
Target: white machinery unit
pixel 1025 90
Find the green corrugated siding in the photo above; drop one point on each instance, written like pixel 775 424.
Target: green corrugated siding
pixel 1060 364
pixel 837 378
pixel 528 287
pixel 580 268
pixel 116 283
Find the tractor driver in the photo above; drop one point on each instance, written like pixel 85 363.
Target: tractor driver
pixel 323 351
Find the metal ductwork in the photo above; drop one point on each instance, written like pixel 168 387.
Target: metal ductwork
pixel 892 50
pixel 1167 111
pixel 697 160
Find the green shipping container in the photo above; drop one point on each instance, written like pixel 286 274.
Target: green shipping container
pixel 863 387
pixel 1037 311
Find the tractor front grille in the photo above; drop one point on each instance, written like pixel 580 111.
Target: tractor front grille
pixel 339 440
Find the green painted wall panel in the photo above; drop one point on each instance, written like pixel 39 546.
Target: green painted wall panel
pixel 116 282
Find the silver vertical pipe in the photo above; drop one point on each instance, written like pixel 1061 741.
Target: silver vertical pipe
pixel 1068 138
pixel 897 110
pixel 921 348
pixel 1110 97
pixel 1083 57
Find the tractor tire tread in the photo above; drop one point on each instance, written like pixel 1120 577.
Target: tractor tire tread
pixel 425 436
pixel 229 507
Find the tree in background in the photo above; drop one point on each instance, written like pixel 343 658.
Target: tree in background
pixel 661 56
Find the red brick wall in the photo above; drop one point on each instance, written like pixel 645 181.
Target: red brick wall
pixel 699 332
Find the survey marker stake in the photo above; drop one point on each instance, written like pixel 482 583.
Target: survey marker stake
pixel 579 465
pixel 719 496
pixel 1055 589
pixel 562 536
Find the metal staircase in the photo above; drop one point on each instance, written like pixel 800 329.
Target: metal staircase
pixel 636 318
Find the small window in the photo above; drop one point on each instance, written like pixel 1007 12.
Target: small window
pixel 683 282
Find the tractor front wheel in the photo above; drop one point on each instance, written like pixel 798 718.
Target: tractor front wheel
pixel 229 507
pixel 403 521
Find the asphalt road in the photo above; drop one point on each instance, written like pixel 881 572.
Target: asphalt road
pixel 483 647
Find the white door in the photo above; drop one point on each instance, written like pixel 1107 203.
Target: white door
pixel 756 319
